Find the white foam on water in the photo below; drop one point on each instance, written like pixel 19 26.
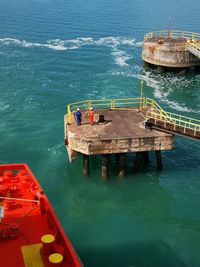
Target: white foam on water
pixel 55 149
pixel 55 45
pixel 80 41
pixel 138 44
pixel 152 82
pixel 115 43
pixel 4 107
pixel 163 86
pixel 178 107
pixel 120 57
pixel 59 47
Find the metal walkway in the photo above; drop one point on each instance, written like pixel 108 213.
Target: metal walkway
pixel 157 118
pixel 194 48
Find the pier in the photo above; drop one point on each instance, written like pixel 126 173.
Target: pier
pixel 123 126
pixel 172 49
pixel 121 131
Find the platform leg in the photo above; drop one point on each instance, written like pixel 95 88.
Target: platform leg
pixel 160 69
pixel 105 166
pixel 197 69
pixel 146 158
pixel 146 65
pixel 121 162
pixel 183 71
pixel 159 160
pixel 137 161
pixel 85 165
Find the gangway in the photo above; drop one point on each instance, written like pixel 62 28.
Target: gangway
pixel 194 48
pixel 170 122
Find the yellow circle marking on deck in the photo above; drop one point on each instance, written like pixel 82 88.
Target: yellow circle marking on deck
pixel 56 258
pixel 47 238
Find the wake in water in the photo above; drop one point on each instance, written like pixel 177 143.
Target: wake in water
pixel 166 87
pixel 121 57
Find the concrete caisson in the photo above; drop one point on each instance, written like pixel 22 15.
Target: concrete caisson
pixel 170 51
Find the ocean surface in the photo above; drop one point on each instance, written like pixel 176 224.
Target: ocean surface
pixel 56 52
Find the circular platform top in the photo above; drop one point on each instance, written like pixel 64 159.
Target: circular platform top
pixel 171 37
pixel 166 39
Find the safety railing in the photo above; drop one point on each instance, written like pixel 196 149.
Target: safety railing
pixel 194 48
pixel 114 104
pixel 127 102
pixel 105 103
pixel 153 111
pixel 175 120
pixel 159 114
pixel 191 40
pixel 155 107
pixel 194 45
pixel 172 33
pixel 189 44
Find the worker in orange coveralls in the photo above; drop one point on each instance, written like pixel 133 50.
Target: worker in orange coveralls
pixel 91 116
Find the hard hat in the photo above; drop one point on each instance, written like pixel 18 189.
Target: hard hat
pixel 78 109
pixel 91 108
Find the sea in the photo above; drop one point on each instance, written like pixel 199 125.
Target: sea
pixel 53 53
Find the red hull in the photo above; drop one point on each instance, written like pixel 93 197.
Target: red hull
pixel 27 215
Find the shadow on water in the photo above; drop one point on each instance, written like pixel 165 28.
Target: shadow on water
pixel 145 254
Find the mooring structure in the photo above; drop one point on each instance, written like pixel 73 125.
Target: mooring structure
pixel 123 126
pixel 171 49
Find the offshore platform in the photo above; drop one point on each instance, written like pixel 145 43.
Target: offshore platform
pixel 123 126
pixel 171 50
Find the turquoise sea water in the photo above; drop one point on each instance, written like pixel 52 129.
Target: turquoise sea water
pixel 56 52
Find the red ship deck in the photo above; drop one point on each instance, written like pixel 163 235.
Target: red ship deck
pixel 25 216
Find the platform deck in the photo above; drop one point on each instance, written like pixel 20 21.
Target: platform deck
pixel 123 131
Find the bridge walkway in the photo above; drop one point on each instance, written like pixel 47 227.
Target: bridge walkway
pixel 194 48
pixel 159 119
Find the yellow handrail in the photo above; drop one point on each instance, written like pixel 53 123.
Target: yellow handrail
pixel 104 103
pixel 154 111
pixel 185 122
pixel 189 37
pixel 174 33
pixel 155 106
pixel 194 45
